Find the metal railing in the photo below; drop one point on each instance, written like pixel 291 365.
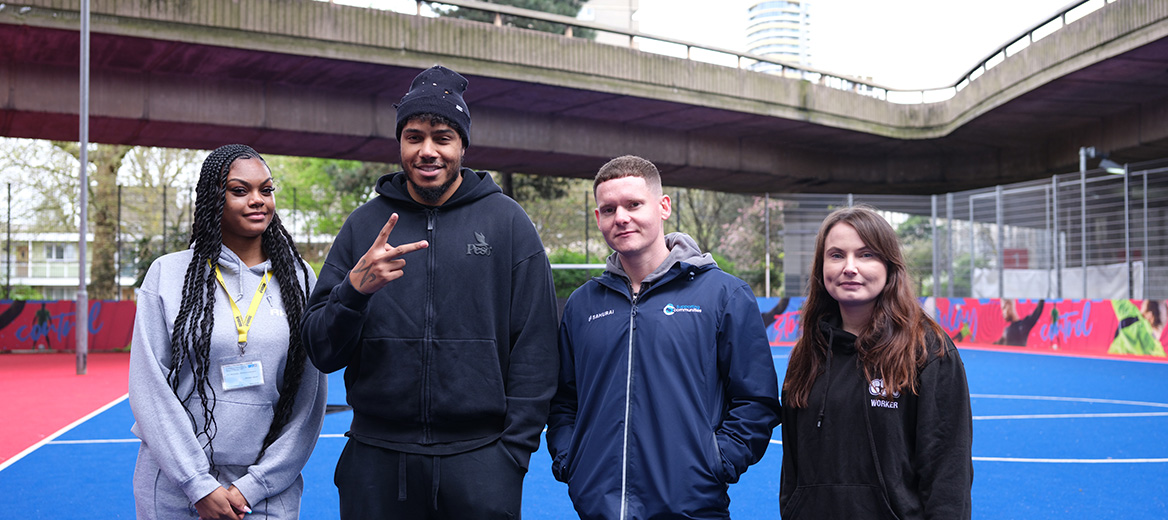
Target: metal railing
pixel 1068 14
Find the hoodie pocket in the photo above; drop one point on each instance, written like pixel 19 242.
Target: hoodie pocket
pixel 838 501
pixel 240 431
pixel 386 380
pixel 466 382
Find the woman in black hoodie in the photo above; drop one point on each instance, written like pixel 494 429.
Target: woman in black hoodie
pixel 876 415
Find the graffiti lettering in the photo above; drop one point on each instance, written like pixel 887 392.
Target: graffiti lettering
pixel 956 316
pixel 785 327
pixel 56 323
pixel 1069 325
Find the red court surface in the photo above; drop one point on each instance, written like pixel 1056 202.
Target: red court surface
pixel 41 393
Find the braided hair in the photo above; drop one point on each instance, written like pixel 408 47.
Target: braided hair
pixel 191 337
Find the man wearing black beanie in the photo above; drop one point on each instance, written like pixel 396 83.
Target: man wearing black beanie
pixel 450 362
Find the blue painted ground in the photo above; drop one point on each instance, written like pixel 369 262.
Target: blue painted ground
pixel 1054 438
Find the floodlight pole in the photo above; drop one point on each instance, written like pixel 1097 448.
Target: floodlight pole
pixel 82 313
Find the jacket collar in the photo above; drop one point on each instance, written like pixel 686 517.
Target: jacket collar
pixel 684 256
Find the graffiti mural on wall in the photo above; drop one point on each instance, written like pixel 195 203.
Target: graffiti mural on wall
pixel 1085 327
pixel 1094 327
pixel 52 325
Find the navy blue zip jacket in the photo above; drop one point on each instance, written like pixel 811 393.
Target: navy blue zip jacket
pixel 665 397
pixel 460 350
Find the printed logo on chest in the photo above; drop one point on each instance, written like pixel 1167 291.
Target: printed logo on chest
pixel 480 247
pixel 881 398
pixel 599 315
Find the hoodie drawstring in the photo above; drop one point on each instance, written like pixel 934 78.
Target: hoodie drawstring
pixel 436 462
pixel 401 477
pixel 434 485
pixel 827 373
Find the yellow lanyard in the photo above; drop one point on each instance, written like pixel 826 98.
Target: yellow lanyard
pixel 243 323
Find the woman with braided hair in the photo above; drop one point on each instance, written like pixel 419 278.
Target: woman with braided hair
pixel 226 406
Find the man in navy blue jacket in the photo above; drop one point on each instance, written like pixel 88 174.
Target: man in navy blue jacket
pixel 667 387
pixel 450 361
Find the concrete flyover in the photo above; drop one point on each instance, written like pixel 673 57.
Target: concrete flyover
pixel 315 79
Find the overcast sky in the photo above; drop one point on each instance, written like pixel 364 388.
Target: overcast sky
pixel 908 44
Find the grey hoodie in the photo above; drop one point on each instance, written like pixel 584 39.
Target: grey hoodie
pixel 682 248
pixel 242 416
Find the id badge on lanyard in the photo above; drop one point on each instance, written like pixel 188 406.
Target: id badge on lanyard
pixel 242 375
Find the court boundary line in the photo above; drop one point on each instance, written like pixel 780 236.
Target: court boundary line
pixel 1070 416
pixel 1131 358
pixel 1069 399
pixel 1071 461
pixel 4 465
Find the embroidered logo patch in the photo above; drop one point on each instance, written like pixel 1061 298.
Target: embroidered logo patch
pixel 671 309
pixel 481 247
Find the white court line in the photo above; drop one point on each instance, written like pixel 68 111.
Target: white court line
pixel 1069 399
pixel 96 441
pixel 60 432
pixel 1069 416
pixel 1071 461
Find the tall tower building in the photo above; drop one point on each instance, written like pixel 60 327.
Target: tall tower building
pixel 780 29
pixel 614 13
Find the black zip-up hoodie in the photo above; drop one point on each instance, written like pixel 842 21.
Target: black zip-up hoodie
pixel 854 452
pixel 459 351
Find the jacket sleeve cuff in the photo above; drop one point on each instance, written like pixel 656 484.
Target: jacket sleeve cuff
pixel 350 297
pixel 251 488
pixel 199 487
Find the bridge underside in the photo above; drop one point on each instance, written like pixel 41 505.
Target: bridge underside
pixel 162 92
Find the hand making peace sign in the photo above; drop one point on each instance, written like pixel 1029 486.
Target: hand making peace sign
pixel 381 265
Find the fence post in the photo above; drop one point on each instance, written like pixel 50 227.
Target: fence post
pixel 936 261
pixel 1083 152
pixel 118 251
pixel 949 241
pixel 972 248
pixel 587 223
pixel 1147 270
pixel 998 219
pixel 1058 264
pixel 8 250
pixel 1127 233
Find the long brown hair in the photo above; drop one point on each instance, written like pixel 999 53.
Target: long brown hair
pixel 892 344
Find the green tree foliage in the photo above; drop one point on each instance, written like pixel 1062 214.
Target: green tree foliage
pixel 157 201
pixel 916 242
pixel 561 210
pixel 701 213
pixel 567 280
pixel 51 203
pixel 744 244
pixel 568 8
pixel 106 160
pixel 315 196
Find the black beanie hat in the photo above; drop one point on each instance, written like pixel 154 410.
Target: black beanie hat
pixel 437 90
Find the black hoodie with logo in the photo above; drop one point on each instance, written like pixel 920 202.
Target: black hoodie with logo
pixel 854 452
pixel 461 350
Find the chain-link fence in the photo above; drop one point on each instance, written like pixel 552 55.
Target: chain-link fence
pixel 1092 234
